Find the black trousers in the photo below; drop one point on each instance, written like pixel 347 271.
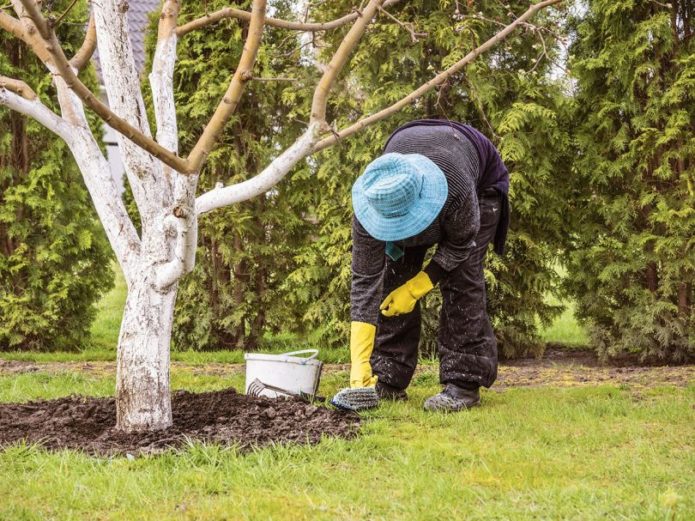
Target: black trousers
pixel 466 344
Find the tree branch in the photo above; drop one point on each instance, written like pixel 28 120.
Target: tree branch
pixel 437 80
pixel 85 52
pixel 340 58
pixel 16 28
pixel 182 221
pixel 229 102
pixel 231 12
pixel 60 62
pixel 186 230
pixel 101 185
pixel 162 77
pixel 261 183
pixel 407 26
pixel 13 95
pixel 18 87
pixel 11 25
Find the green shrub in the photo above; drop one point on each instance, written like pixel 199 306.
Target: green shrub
pixel 632 265
pixel 54 258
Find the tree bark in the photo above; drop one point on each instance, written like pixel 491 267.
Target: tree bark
pixel 143 399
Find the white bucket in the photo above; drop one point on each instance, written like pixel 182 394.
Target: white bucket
pixel 287 371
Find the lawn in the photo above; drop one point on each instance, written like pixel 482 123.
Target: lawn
pixel 592 452
pixel 566 445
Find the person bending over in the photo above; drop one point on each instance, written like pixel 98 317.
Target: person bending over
pixel 442 183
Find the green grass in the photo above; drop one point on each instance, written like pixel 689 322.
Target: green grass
pixel 542 453
pixel 566 330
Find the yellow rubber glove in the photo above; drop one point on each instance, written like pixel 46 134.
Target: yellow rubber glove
pixel 402 299
pixel 362 337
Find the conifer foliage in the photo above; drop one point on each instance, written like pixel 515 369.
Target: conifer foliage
pixel 54 258
pixel 507 94
pixel 233 296
pixel 632 265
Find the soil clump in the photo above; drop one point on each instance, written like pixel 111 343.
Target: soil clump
pixel 224 417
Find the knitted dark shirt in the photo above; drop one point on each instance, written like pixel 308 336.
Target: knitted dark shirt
pixel 471 165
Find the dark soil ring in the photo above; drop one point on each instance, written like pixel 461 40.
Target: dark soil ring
pixel 223 417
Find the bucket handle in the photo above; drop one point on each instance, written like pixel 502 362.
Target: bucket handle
pixel 314 353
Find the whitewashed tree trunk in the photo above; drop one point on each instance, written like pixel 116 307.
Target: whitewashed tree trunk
pixel 142 391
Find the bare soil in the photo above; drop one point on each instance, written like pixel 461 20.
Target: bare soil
pixel 221 417
pixel 228 418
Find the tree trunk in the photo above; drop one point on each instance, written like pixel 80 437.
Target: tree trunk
pixel 143 399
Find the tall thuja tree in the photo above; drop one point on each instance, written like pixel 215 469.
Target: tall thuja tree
pixel 54 258
pixel 632 270
pixel 507 94
pixel 245 251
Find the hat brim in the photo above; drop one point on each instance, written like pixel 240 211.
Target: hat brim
pixel 418 217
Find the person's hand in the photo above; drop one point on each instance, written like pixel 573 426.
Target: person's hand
pixel 362 336
pixel 402 300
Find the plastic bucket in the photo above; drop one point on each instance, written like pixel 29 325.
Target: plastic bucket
pixel 295 374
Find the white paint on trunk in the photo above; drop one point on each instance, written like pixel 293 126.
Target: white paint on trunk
pixel 122 86
pixel 142 375
pixel 261 183
pixel 37 110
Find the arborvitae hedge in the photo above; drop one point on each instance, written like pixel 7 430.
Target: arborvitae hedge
pixel 632 267
pixel 54 258
pixel 245 251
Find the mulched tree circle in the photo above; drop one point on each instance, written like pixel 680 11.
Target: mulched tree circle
pixel 223 417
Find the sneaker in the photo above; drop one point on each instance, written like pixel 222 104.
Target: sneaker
pixel 389 392
pixel 357 399
pixel 453 399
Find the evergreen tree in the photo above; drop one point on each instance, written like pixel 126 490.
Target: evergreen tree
pixel 245 251
pixel 54 259
pixel 632 266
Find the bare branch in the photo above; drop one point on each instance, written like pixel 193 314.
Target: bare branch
pixel 407 26
pixel 11 25
pixel 229 102
pixel 162 76
pixel 18 87
pixel 16 28
pixel 101 185
pixel 231 12
pixel 32 107
pixel 261 183
pixel 437 80
pixel 85 52
pixel 340 58
pixel 62 16
pixel 60 62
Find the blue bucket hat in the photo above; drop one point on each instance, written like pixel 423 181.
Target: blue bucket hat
pixel 399 195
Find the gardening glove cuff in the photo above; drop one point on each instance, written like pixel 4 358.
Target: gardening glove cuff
pixel 402 300
pixel 362 336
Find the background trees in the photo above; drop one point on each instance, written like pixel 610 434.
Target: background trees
pixel 245 251
pixel 510 95
pixel 54 259
pixel 601 161
pixel 632 265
